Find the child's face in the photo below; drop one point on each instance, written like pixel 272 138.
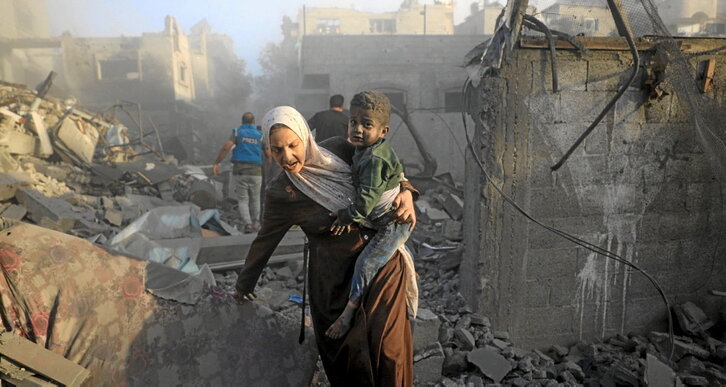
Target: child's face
pixel 365 127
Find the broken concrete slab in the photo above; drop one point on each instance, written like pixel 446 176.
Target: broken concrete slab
pixel 454 363
pixel 662 342
pixel 41 360
pixel 10 183
pixel 658 373
pixel 53 211
pixel 114 217
pixel 38 125
pixel 78 137
pixel 465 338
pixel 453 205
pixel 428 212
pixel 490 363
pixel 428 370
pixel 691 318
pixel 18 143
pixel 426 329
pixel 14 212
pixel 7 162
pixel 229 252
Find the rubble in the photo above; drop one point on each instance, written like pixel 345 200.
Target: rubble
pixel 74 172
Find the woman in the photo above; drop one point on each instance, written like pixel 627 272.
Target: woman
pixel 378 348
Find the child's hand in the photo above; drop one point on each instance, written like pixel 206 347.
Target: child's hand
pixel 337 228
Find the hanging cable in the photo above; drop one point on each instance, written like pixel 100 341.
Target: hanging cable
pixel 578 241
pixel 624 30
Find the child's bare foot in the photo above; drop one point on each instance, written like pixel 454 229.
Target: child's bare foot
pixel 342 324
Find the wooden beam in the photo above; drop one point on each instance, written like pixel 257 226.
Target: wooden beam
pixel 592 43
pixel 41 361
pixel 706 76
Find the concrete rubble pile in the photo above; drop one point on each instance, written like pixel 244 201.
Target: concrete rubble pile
pixel 94 195
pixel 68 170
pixel 455 347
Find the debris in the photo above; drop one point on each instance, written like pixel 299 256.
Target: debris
pixel 691 318
pixel 56 213
pixel 465 338
pixel 490 363
pixel 41 360
pixel 9 184
pixel 453 205
pixel 15 212
pixel 454 364
pixel 114 217
pixel 426 330
pixel 97 293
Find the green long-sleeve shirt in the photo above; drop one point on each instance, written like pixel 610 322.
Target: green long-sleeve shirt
pixel 376 169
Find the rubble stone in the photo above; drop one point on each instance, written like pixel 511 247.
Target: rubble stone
pixel 490 363
pixel 428 370
pixel 455 364
pixel 682 348
pixel 694 380
pixel 426 331
pixel 14 212
pixel 465 338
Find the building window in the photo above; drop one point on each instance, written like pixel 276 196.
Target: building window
pixel 383 26
pixel 118 69
pixel 453 102
pixel 328 26
pixel 316 81
pixel 397 97
pixel 182 73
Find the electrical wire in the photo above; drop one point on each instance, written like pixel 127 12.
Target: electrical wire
pixel 580 242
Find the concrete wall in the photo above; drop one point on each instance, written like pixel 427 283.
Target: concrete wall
pixel 409 20
pixel 483 21
pixel 577 19
pixel 640 186
pixel 23 19
pixel 424 68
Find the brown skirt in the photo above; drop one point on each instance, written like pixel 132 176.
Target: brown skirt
pixel 378 349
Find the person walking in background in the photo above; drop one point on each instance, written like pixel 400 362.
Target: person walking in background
pixel 246 170
pixel 332 122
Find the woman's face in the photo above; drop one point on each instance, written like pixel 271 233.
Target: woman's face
pixel 287 149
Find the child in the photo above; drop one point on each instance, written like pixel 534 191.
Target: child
pixel 377 174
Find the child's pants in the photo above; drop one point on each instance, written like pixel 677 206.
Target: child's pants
pixel 377 253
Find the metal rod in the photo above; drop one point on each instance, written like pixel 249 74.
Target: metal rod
pixel 623 28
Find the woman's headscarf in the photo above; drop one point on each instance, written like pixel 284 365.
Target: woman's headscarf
pixel 324 177
pixel 327 179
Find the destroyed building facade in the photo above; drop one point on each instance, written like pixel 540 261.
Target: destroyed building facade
pixel 642 185
pixel 175 77
pixel 412 18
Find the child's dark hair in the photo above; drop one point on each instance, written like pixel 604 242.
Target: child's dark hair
pixel 374 101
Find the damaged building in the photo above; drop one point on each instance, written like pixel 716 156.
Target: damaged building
pixel 174 83
pixel 570 223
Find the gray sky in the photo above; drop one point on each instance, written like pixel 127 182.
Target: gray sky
pixel 250 23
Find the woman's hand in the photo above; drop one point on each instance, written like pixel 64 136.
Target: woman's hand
pixel 337 228
pixel 243 298
pixel 405 212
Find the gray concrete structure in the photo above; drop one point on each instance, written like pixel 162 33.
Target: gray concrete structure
pixel 640 186
pixel 423 72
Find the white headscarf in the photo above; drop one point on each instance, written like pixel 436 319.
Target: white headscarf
pixel 324 177
pixel 327 179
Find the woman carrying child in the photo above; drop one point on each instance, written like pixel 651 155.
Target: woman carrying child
pixel 378 349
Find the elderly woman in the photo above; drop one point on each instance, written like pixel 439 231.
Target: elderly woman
pixel 378 348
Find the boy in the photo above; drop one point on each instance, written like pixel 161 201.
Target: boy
pixel 377 174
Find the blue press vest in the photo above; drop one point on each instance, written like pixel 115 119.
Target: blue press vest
pixel 248 145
